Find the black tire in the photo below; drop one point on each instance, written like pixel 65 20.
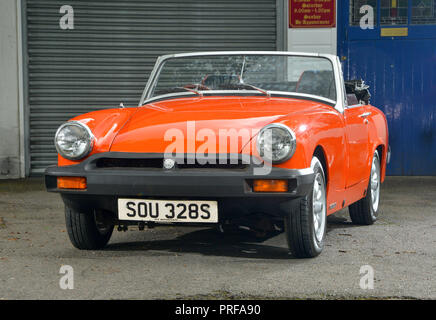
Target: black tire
pixel 363 212
pixel 84 232
pixel 299 221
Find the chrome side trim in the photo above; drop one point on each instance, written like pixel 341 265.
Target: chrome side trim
pixel 301 172
pixel 341 96
pixel 169 95
pixel 388 157
pixel 151 79
pixel 211 92
pixel 304 95
pixel 215 53
pixel 354 106
pixel 364 115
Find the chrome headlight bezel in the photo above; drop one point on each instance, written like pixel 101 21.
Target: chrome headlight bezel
pixel 292 137
pixel 88 135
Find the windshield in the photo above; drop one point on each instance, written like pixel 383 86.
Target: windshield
pixel 261 74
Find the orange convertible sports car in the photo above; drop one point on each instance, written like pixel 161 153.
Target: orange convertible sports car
pixel 226 138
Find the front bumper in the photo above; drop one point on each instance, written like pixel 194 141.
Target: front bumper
pixel 228 186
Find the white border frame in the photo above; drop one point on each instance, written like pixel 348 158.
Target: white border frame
pixel 21 119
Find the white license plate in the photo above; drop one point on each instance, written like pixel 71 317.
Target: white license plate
pixel 168 210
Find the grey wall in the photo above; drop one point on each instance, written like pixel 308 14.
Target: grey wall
pixel 9 90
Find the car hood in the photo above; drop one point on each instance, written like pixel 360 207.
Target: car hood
pixel 194 121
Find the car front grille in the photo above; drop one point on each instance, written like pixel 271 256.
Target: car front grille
pixel 106 163
pixel 157 163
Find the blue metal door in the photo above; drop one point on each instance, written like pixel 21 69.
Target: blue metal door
pixel 397 58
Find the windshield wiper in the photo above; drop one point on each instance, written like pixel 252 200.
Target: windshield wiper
pixel 191 90
pixel 265 92
pixel 245 85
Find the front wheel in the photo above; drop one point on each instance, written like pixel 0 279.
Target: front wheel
pixel 85 232
pixel 365 211
pixel 305 223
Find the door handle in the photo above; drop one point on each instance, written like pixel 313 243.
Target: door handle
pixel 365 114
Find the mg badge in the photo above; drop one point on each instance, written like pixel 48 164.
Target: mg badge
pixel 169 164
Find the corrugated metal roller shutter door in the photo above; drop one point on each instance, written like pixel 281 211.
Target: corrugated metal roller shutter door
pixel 108 56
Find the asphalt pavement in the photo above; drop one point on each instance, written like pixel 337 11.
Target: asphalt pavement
pixel 199 263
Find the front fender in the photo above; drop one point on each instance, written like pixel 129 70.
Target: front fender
pixel 323 128
pixel 104 125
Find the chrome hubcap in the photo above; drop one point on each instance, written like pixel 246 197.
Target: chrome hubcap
pixel 319 207
pixel 375 184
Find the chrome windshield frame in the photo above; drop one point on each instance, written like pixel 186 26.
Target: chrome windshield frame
pixel 339 104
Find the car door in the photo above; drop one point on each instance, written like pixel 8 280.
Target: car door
pixel 357 136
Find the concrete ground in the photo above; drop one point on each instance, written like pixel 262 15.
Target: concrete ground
pixel 193 263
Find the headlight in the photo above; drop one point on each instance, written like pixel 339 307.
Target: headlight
pixel 276 143
pixel 74 140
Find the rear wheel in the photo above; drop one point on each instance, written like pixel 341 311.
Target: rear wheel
pixel 305 222
pixel 365 211
pixel 85 231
